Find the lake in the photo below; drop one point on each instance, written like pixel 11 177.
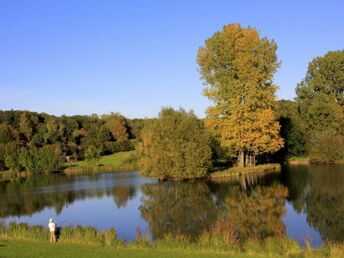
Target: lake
pixel 303 202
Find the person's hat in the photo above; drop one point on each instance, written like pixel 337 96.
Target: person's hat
pixel 50 220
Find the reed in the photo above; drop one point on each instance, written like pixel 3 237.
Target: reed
pixel 223 240
pixel 68 234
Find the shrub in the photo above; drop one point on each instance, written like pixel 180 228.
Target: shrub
pixel 326 146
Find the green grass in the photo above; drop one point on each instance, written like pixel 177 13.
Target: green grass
pixel 35 249
pixel 26 248
pixel 236 171
pixel 120 161
pixel 109 160
pixel 297 158
pixel 22 240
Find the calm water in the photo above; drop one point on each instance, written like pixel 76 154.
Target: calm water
pixel 301 202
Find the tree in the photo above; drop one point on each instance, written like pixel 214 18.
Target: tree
pixel 237 67
pixel 320 99
pixel 175 146
pixel 46 159
pixel 6 135
pixel 324 75
pixel 11 154
pixel 292 129
pixel 92 155
pixel 118 126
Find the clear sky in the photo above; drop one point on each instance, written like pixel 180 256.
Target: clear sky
pixel 133 57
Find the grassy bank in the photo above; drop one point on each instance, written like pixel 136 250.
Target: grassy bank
pixel 121 161
pixel 298 161
pixel 309 161
pixel 237 171
pixel 21 240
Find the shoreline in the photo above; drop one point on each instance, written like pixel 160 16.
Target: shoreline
pixel 236 171
pixel 78 241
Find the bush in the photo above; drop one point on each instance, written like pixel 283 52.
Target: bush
pixel 46 159
pixel 92 155
pixel 119 146
pixel 326 146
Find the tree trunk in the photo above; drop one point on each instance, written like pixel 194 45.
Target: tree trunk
pixel 241 159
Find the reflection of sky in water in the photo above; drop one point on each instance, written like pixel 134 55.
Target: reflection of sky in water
pixel 298 228
pixel 101 213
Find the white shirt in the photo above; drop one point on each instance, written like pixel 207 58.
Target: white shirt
pixel 51 226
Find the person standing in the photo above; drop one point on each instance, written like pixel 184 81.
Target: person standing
pixel 52 229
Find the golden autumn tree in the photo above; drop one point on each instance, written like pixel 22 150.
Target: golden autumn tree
pixel 237 66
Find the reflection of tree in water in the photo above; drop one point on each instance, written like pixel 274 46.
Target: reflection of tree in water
pixel 123 193
pixel 321 197
pixel 189 208
pixel 178 208
pixel 258 213
pixel 254 207
pixel 26 196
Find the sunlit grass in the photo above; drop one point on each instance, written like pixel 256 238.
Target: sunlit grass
pixel 236 171
pixel 22 240
pixel 121 161
pixel 109 160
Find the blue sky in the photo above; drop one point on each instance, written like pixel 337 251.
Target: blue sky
pixel 133 57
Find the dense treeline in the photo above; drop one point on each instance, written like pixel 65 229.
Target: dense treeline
pixel 38 142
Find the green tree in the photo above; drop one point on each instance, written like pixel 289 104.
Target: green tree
pixel 118 126
pixel 92 155
pixel 6 134
pixel 175 146
pixel 237 66
pixel 11 155
pixel 320 98
pixel 292 129
pixel 46 159
pixel 324 75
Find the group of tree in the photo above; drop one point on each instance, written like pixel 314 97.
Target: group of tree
pixel 237 66
pixel 33 142
pixel 313 124
pixel 320 99
pixel 246 122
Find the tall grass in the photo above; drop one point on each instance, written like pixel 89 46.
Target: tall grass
pixel 223 239
pixel 79 234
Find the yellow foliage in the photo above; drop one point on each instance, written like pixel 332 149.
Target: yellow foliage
pixel 238 67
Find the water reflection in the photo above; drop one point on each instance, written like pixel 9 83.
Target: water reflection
pixel 318 191
pixel 26 196
pixel 255 206
pixel 178 208
pixel 301 201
